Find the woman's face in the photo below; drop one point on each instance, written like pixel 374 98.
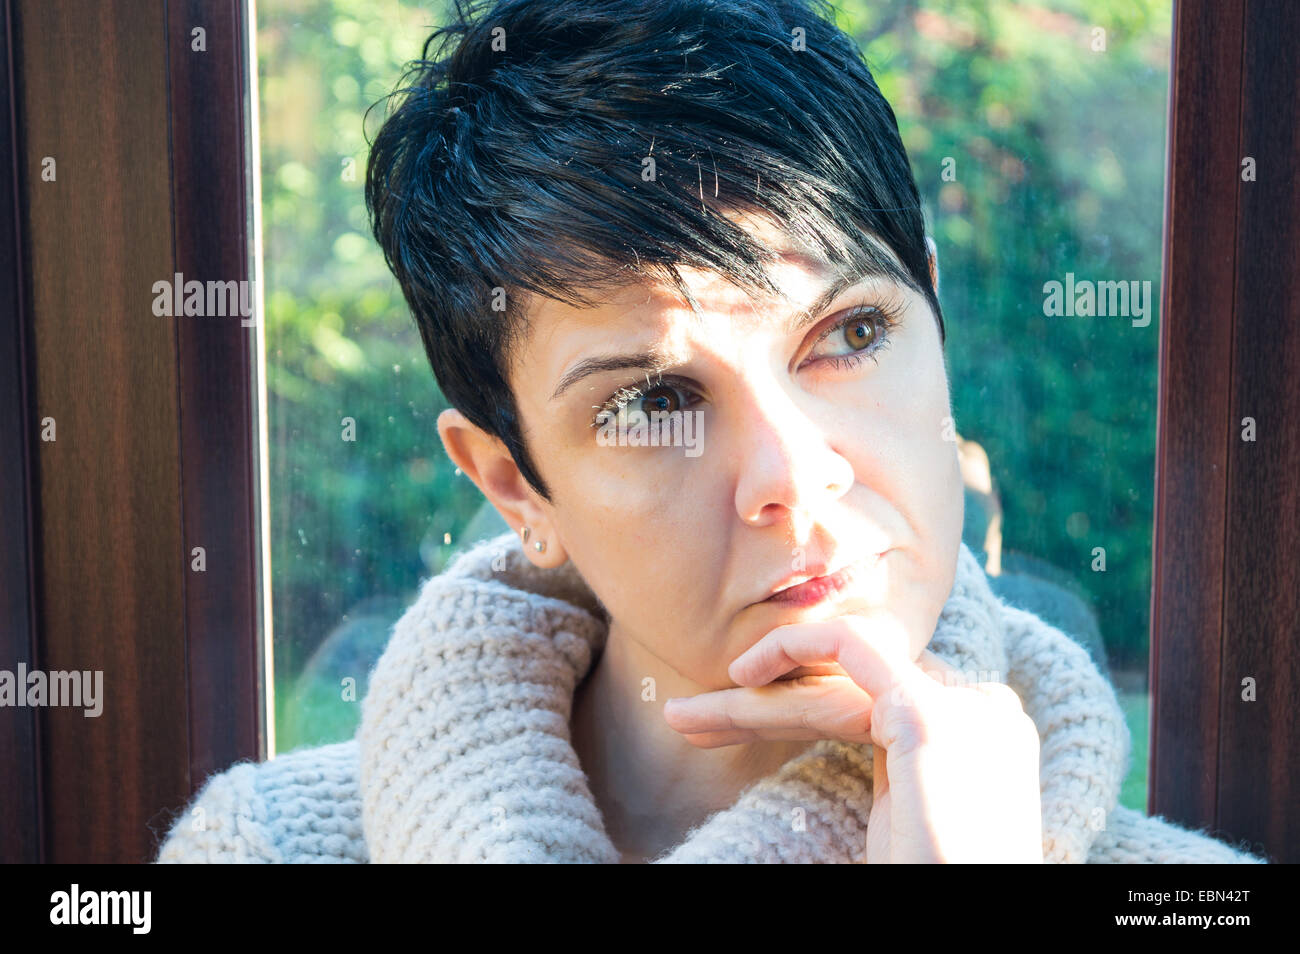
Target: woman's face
pixel 808 449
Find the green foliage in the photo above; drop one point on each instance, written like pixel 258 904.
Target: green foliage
pixel 350 519
pixel 1059 162
pixel 1058 153
pixel 1136 707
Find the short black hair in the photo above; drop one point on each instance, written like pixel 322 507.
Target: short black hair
pixel 515 161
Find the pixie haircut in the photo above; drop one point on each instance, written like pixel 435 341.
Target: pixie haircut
pixel 540 147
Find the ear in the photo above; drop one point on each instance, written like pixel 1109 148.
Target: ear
pixel 934 263
pixel 486 461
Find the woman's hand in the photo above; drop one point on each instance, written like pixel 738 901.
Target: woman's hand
pixel 955 776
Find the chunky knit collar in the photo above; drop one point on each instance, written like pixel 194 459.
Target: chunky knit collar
pixel 465 750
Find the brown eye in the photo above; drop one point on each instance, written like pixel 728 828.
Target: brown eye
pixel 660 398
pixel 866 329
pixel 860 333
pixel 662 395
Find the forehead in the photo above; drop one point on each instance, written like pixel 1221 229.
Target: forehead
pixel 798 271
pixel 642 312
pixel 556 332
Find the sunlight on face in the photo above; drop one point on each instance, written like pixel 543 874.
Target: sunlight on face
pixel 814 447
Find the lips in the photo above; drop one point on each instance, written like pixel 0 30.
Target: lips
pixel 825 587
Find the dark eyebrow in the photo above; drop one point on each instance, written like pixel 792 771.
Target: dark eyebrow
pixel 653 361
pixel 656 361
pixel 823 301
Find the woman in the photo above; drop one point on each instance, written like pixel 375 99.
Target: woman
pixel 669 265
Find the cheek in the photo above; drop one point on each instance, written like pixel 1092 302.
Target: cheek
pixel 903 441
pixel 907 460
pixel 940 504
pixel 643 535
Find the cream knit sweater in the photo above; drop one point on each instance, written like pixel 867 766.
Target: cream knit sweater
pixel 463 753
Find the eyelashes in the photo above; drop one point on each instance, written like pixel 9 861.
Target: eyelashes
pixel 884 314
pixel 633 392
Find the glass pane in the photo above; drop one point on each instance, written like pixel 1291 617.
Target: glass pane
pixel 1037 135
pixel 363 497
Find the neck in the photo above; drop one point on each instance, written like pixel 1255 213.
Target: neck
pixel 650 784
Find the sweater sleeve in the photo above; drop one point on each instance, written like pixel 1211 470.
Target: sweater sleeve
pixel 300 807
pixel 225 823
pixel 1133 838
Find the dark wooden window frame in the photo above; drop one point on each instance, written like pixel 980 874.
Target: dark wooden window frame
pixel 157 448
pixel 1226 589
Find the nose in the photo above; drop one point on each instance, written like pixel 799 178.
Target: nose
pixel 788 469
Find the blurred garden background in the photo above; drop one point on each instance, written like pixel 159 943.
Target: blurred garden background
pixel 1036 132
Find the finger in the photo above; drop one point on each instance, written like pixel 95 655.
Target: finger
pixel 879 774
pixel 937 668
pixel 1001 692
pixel 713 740
pixel 880 820
pixel 812 706
pixel 946 673
pixel 933 666
pixel 821 669
pixel 872 650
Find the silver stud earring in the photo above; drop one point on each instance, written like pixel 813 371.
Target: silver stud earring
pixel 526 532
pixel 540 546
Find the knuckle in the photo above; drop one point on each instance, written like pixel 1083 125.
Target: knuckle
pixel 726 716
pixel 908 725
pixel 857 726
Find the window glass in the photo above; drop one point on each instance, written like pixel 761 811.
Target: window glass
pixel 1037 136
pixel 364 502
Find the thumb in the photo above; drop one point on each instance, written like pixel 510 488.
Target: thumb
pixel 879 775
pixel 878 823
